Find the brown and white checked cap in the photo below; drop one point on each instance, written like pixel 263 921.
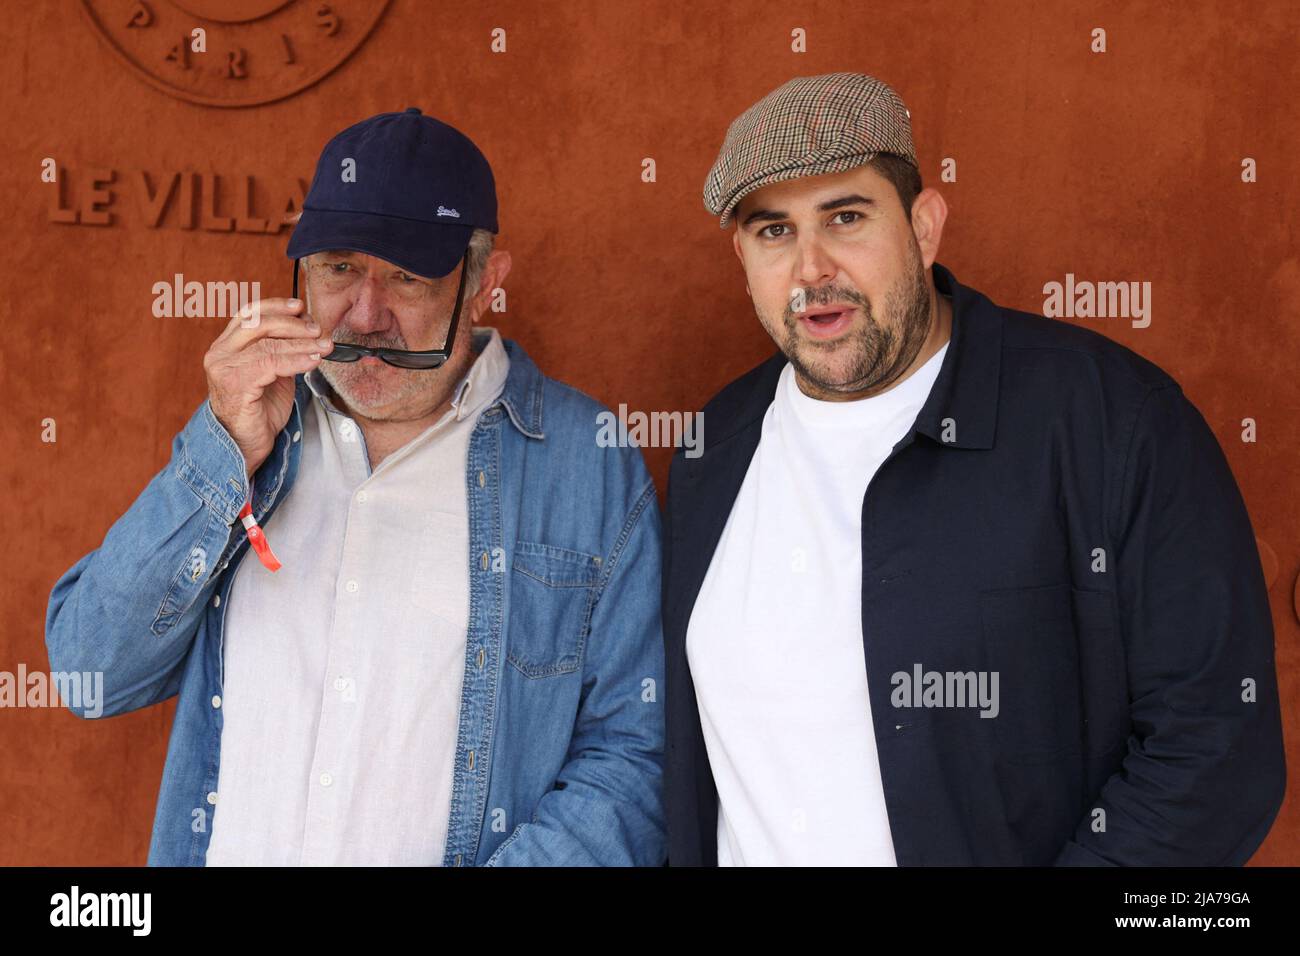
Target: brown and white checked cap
pixel 810 126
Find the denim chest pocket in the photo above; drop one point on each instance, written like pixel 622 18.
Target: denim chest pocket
pixel 1029 640
pixel 552 590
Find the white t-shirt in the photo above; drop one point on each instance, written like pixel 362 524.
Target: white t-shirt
pixel 775 642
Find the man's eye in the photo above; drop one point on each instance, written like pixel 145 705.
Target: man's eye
pixel 404 277
pixel 772 235
pixel 848 212
pixel 332 266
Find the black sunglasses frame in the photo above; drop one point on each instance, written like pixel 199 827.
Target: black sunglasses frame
pixel 400 358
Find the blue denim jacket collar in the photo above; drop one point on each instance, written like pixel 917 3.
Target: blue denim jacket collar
pixel 522 396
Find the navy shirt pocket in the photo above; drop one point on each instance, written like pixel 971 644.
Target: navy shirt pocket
pixel 1102 673
pixel 1029 640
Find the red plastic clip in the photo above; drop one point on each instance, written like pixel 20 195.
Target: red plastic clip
pixel 257 538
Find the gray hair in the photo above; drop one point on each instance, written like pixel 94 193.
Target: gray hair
pixel 480 247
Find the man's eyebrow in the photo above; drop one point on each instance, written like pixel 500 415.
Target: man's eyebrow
pixel 851 200
pixel 770 215
pixel 764 215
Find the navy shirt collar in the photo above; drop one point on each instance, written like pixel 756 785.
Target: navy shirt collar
pixel 966 390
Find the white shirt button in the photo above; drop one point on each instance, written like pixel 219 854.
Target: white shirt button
pixel 216 600
pixel 216 700
pixel 297 435
pixel 340 683
pixel 212 797
pixel 326 780
pixel 351 587
pixel 361 497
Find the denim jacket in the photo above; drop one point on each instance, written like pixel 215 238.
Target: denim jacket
pixel 560 741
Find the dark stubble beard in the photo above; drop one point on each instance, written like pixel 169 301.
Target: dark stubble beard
pixel 878 354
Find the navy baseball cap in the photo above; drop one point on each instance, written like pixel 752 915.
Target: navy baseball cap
pixel 421 188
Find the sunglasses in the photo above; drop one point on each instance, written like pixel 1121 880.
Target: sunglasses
pixel 400 358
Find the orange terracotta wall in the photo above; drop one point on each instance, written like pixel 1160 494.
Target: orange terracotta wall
pixel 1123 165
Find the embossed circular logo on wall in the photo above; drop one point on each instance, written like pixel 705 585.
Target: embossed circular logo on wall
pixel 233 52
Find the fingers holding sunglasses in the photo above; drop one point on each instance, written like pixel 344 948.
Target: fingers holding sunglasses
pixel 272 359
pixel 251 381
pixel 278 318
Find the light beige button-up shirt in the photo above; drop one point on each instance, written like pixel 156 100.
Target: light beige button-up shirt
pixel 342 671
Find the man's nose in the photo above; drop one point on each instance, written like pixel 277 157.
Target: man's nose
pixel 369 312
pixel 815 265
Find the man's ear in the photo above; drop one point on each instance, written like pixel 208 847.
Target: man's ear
pixel 497 268
pixel 494 274
pixel 929 213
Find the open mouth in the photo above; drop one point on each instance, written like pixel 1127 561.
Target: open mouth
pixel 825 325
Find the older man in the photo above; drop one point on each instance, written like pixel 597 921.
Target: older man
pixel 951 583
pixel 392 640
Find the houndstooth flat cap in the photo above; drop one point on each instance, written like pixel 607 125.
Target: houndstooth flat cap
pixel 810 126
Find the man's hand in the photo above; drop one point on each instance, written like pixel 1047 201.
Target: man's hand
pixel 250 369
